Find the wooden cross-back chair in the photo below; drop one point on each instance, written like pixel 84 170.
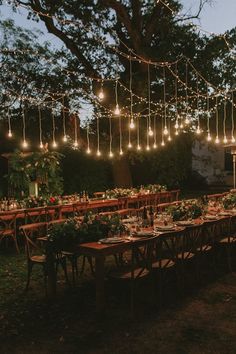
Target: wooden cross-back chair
pixel 35 215
pixel 8 228
pixel 35 237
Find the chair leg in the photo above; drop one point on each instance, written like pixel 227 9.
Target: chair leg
pixel 83 266
pixel 30 267
pixel 64 267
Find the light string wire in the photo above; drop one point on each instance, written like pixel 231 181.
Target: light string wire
pixel 40 127
pixel 75 130
pixel 24 143
pixel 110 138
pixel 9 122
pixel 98 137
pixel 224 122
pixel 217 122
pixel 54 144
pixel 232 120
pixel 88 141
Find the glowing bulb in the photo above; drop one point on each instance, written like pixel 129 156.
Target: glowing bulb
pixel 225 140
pixel 98 153
pixel 41 145
pixel 208 137
pixel 150 131
pixel 138 147
pixel 162 143
pixel 111 154
pixel 117 110
pixel 132 125
pixel 169 138
pixel 198 131
pixel 176 132
pixel 65 138
pixel 25 144
pixel 76 144
pixel 187 121
pixel 181 126
pixel 9 134
pixel 148 148
pixel 88 150
pixel 54 144
pixel 154 146
pixel 217 140
pixel 233 139
pixel 165 131
pixel 101 95
pixel 176 125
pixel 121 152
pixel 129 145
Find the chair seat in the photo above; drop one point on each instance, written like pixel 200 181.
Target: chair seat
pixel 163 263
pixel 38 259
pixel 228 240
pixel 185 256
pixel 204 248
pixel 127 274
pixel 7 232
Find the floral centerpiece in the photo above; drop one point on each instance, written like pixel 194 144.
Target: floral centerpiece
pixel 126 192
pixel 154 188
pixel 34 202
pixel 118 193
pixel 229 201
pixel 53 200
pixel 186 210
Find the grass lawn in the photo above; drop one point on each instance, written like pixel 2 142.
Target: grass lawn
pixel 202 320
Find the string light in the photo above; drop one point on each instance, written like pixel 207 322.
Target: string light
pixel 165 131
pixel 208 117
pixel 117 109
pixel 40 128
pixel 162 133
pixel 138 134
pixel 198 131
pixel 75 132
pixel 155 132
pixel 110 137
pixel 98 137
pixel 24 143
pixel 88 142
pixel 101 95
pixel 131 123
pixel 9 123
pixel 217 140
pixel 64 120
pixel 232 120
pixel 150 132
pixel 54 143
pixel 225 140
pixel 187 120
pixel 176 102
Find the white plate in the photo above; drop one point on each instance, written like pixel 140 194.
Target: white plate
pixel 111 240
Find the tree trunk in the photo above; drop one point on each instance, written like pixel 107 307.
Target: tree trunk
pixel 121 173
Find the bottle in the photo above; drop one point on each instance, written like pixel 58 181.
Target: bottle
pixel 145 217
pixel 151 216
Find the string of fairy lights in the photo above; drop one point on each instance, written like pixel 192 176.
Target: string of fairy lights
pixel 175 114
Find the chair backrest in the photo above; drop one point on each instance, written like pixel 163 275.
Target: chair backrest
pixel 32 232
pixel 8 222
pixel 35 215
pixel 168 246
pixel 53 212
pixel 141 256
pixel 192 240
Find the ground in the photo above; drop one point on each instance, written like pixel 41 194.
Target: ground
pixel 202 319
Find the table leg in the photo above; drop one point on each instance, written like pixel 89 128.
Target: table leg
pixel 100 286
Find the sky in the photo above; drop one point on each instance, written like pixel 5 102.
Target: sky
pixel 217 17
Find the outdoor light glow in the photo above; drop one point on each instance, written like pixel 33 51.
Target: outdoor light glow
pixel 187 121
pixel 162 143
pixel 198 131
pixel 233 139
pixel 132 125
pixel 209 137
pixel 41 145
pixel 117 110
pixel 65 138
pixel 111 154
pixel 217 141
pixel 129 145
pixel 150 131
pixel 169 138
pixel 54 144
pixel 181 126
pixel 225 140
pixel 165 131
pixel 98 153
pixel 176 132
pixel 88 151
pixel 148 148
pixel 176 125
pixel 101 95
pixel 139 147
pixel 76 144
pixel 9 134
pixel 24 144
pixel 121 152
pixel 154 145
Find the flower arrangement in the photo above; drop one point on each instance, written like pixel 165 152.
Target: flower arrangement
pixel 229 201
pixel 34 202
pixel 126 192
pixel 155 188
pixel 53 200
pixel 118 193
pixel 186 210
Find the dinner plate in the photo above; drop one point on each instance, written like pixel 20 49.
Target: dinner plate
pixel 165 227
pixel 111 240
pixel 185 223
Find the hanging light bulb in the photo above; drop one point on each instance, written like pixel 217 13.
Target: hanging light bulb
pixel 54 144
pixel 101 95
pixel 132 125
pixel 169 138
pixel 111 154
pixel 117 110
pixel 198 130
pixel 76 144
pixel 150 131
pixel 162 143
pixel 209 137
pixel 9 134
pixel 65 138
pixel 88 150
pixel 225 140
pixel 138 147
pixel 41 145
pixel 217 140
pixel 187 120
pixel 121 152
pixel 232 139
pixel 181 126
pixel 165 131
pixel 176 132
pixel 176 125
pixel 98 153
pixel 24 144
pixel 148 148
pixel 154 146
pixel 129 145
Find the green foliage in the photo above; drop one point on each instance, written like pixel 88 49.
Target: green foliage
pixel 186 210
pixel 229 201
